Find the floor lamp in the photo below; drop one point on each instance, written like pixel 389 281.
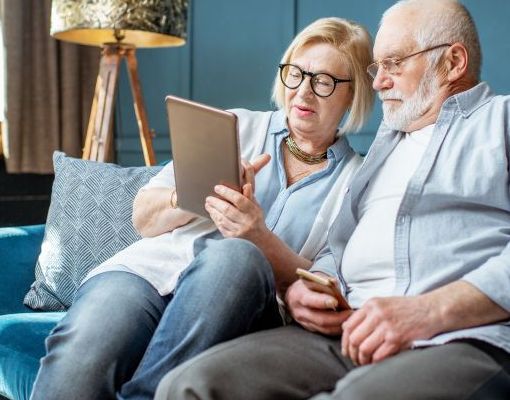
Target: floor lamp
pixel 119 27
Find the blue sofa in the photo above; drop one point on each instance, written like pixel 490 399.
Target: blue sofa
pixel 22 331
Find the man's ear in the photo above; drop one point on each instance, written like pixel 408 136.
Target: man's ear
pixel 456 62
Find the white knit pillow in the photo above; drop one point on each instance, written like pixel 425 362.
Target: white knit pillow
pixel 89 220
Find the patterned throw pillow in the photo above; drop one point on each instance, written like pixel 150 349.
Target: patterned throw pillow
pixel 89 220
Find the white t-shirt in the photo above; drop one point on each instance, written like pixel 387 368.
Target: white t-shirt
pixel 368 260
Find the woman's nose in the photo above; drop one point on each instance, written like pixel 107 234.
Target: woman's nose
pixel 305 89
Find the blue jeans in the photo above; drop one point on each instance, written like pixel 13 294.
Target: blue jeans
pixel 117 317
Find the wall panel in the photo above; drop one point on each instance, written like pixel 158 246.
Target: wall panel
pixel 491 18
pixel 233 49
pixel 236 49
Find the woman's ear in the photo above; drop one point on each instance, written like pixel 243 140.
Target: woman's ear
pixel 349 106
pixel 351 96
pixel 456 62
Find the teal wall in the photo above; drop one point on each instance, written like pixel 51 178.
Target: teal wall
pixel 234 47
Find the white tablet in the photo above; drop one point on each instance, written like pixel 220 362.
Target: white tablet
pixel 205 150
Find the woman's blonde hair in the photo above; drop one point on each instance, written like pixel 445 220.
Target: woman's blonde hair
pixel 355 46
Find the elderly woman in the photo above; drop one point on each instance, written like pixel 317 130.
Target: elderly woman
pixel 186 285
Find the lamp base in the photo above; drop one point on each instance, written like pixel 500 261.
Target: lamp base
pixel 99 132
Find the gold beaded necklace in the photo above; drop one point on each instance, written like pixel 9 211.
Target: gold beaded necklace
pixel 302 155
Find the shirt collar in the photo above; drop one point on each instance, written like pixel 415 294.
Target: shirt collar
pixel 470 100
pixel 337 151
pixel 340 149
pixel 278 123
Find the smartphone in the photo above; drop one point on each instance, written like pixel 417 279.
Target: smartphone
pixel 325 285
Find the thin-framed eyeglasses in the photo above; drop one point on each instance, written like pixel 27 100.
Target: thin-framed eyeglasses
pixel 392 65
pixel 323 85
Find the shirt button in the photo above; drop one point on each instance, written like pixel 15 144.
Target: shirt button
pixel 402 219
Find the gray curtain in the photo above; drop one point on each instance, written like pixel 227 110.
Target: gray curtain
pixel 50 86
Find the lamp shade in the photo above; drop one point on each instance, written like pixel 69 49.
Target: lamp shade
pixel 142 23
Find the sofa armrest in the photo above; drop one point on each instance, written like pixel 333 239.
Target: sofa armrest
pixel 19 249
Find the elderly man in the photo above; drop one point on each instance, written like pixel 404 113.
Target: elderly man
pixel 421 244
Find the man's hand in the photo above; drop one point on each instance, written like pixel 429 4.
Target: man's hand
pixel 313 310
pixel 385 326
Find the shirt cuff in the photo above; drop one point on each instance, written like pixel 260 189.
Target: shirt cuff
pixel 493 280
pixel 326 265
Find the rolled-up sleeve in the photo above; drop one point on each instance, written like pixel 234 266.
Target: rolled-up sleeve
pixel 493 278
pixel 165 178
pixel 324 262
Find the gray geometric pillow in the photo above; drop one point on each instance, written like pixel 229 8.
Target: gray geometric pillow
pixel 89 220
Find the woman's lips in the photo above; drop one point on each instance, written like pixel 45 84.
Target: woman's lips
pixel 303 111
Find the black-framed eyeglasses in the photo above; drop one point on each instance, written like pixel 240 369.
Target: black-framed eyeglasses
pixel 323 85
pixel 392 65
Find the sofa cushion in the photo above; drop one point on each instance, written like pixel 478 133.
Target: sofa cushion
pixel 21 346
pixel 89 220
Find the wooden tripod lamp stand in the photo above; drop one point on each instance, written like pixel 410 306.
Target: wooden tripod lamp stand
pixel 119 27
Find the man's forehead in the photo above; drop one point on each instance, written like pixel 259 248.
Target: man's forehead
pixel 393 40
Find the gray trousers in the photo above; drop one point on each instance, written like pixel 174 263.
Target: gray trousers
pixel 292 363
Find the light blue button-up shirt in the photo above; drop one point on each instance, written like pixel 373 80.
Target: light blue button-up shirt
pixel 454 219
pixel 290 211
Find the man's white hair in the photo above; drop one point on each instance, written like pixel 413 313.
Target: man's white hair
pixel 443 21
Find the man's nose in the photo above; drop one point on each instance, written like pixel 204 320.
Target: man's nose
pixel 382 80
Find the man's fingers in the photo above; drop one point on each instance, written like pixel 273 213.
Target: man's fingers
pixel 356 319
pixel 385 350
pixel 352 353
pixel 312 309
pixel 321 301
pixel 369 346
pixel 361 331
pixel 348 327
pixel 326 322
pixel 316 312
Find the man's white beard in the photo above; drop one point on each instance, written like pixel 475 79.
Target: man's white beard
pixel 409 110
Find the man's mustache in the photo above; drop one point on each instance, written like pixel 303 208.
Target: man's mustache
pixel 390 95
